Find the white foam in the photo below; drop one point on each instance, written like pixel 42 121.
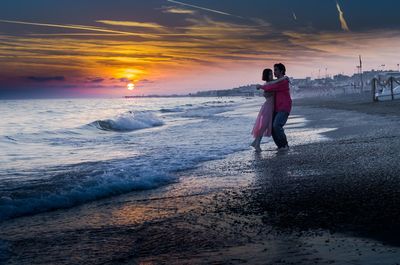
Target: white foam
pixel 129 121
pixel 70 191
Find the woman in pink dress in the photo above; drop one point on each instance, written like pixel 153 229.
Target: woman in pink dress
pixel 263 125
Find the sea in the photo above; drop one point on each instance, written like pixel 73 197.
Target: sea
pixel 60 153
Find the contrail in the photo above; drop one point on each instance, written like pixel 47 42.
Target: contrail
pixel 76 34
pixel 131 24
pixel 203 8
pixel 343 22
pixel 80 27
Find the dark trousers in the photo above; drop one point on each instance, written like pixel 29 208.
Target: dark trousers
pixel 278 133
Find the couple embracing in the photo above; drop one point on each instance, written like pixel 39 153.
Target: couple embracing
pixel 276 109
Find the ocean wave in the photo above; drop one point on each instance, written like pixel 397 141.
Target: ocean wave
pixel 204 112
pixel 171 110
pixel 69 190
pixel 49 112
pixel 9 138
pixel 129 121
pixel 216 102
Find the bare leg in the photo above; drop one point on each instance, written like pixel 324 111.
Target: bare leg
pixel 256 144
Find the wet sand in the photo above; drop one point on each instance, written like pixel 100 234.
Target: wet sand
pixel 330 202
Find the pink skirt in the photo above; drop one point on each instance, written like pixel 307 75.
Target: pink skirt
pixel 263 125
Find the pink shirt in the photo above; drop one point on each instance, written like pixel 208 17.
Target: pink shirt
pixel 283 101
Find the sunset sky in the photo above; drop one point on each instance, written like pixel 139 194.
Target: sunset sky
pixel 99 47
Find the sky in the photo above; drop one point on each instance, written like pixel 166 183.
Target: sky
pixel 102 47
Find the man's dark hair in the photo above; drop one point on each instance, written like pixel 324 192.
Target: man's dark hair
pixel 281 67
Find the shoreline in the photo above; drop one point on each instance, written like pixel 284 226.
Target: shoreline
pixel 324 203
pixel 361 102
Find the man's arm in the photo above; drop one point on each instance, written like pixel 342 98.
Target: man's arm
pixel 273 82
pixel 277 80
pixel 279 85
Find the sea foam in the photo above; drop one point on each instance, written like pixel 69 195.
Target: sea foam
pixel 88 185
pixel 129 121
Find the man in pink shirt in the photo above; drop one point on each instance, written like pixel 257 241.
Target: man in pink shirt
pixel 283 105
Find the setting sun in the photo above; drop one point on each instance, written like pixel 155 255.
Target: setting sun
pixel 130 86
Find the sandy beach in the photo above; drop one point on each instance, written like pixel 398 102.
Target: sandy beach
pixel 330 202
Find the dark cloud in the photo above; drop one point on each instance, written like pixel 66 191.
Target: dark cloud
pixel 95 80
pixel 146 81
pixel 39 91
pixel 46 78
pixel 124 80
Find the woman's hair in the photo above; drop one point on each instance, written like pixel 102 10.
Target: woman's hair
pixel 266 75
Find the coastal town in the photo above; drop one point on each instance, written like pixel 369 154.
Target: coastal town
pixel 327 85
